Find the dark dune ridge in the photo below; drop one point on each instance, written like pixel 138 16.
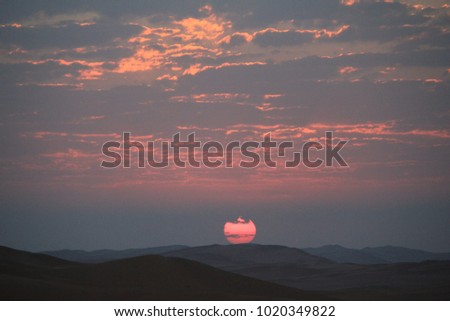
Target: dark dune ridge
pixel 29 276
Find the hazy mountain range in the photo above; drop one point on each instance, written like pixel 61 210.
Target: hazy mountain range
pixel 231 272
pixel 110 255
pixel 375 255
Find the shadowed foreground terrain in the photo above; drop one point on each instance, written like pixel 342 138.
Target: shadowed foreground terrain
pixel 29 276
pixel 428 280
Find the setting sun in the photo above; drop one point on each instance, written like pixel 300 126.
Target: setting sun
pixel 239 231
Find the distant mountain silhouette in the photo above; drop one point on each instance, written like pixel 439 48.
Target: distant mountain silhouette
pixel 375 255
pixel 110 255
pixel 29 276
pixel 223 256
pixel 397 254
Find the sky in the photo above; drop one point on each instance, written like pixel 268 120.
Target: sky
pixel 76 74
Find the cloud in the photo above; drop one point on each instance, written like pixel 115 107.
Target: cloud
pixel 257 14
pixel 156 42
pixel 37 72
pixel 273 37
pixel 66 36
pixel 236 39
pixel 22 10
pixel 93 53
pixel 426 57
